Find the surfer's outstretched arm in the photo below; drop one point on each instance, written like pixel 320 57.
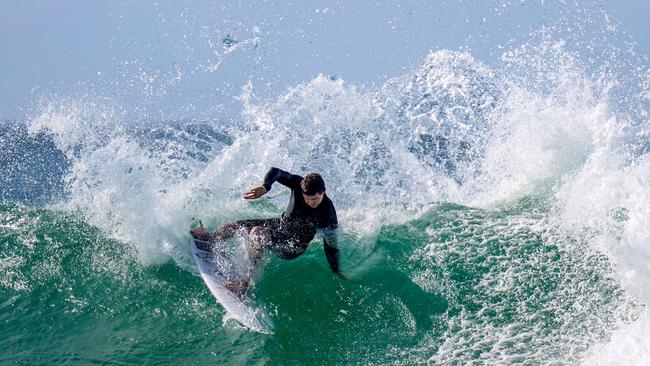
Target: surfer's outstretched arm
pixel 272 176
pixel 283 177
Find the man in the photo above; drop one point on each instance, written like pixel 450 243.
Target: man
pixel 309 210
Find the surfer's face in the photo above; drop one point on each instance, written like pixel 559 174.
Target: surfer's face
pixel 315 200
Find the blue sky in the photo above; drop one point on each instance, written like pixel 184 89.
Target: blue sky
pixel 171 59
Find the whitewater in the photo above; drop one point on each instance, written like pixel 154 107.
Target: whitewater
pixel 491 213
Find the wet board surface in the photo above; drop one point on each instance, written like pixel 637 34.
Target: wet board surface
pixel 216 270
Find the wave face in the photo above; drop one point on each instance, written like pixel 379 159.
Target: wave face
pixel 490 214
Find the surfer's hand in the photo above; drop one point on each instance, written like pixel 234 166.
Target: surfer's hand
pixel 256 192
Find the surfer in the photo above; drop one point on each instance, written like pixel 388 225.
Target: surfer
pixel 309 211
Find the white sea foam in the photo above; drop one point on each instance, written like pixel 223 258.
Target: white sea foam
pixel 629 345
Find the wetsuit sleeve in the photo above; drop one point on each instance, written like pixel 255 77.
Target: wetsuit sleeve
pixel 285 178
pixel 330 241
pixel 330 244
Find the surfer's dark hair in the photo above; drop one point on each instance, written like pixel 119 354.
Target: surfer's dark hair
pixel 312 183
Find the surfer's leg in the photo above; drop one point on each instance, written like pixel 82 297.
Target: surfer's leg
pixel 223 232
pixel 255 241
pixel 229 230
pixel 257 238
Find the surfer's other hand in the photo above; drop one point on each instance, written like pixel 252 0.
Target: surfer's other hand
pixel 256 192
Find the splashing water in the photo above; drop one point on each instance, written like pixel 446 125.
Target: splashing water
pixel 490 213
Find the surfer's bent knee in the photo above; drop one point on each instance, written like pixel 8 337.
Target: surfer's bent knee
pixel 259 232
pixel 258 237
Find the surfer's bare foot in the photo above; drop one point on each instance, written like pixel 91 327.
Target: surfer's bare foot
pixel 238 287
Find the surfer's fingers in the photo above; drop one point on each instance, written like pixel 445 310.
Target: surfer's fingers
pixel 253 193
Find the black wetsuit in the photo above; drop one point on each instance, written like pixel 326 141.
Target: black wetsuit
pixel 291 233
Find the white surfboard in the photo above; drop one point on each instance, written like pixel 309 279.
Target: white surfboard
pixel 215 268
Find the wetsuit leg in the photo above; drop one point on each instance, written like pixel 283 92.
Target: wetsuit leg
pixel 228 230
pixel 258 236
pixel 258 239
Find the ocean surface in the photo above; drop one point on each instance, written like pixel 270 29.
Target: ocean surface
pixel 490 214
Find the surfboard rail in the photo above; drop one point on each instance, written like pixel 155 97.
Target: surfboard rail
pixel 239 307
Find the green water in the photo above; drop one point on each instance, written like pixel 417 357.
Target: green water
pixel 453 286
